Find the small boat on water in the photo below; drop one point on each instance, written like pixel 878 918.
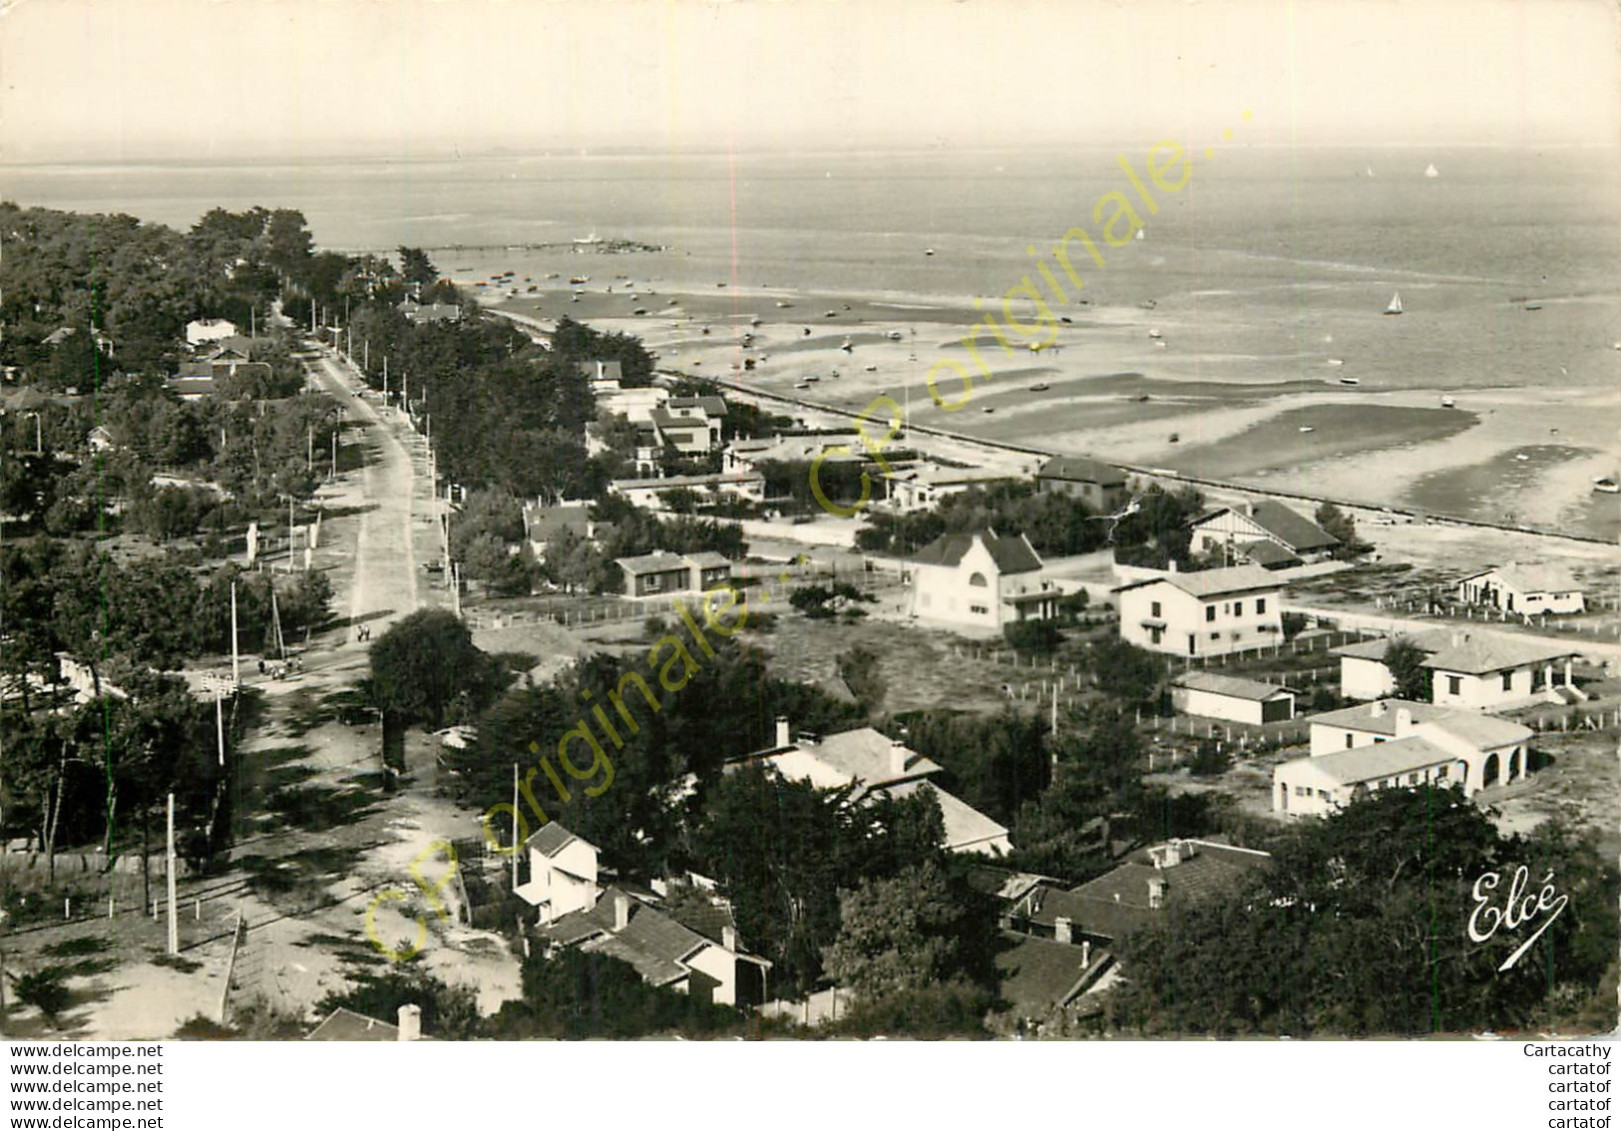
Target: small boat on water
pixel 801 384
pixel 928 251
pixel 1448 402
pixel 846 346
pixel 1350 380
pixel 1175 437
pixel 1155 334
pixel 1395 304
pixel 1607 485
pixel 578 280
pixel 872 369
pixel 1522 457
pixel 988 409
pixel 1307 428
pixel 783 305
pixel 1533 306
pixel 1432 172
pixel 813 377
pixel 1041 387
pixel 831 314
pixel 1142 233
pixel 755 321
pixel 1336 362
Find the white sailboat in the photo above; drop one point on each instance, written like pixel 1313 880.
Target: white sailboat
pixel 1432 172
pixel 1140 233
pixel 1395 304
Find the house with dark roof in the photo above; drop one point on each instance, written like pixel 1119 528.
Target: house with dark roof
pixel 1233 531
pixel 981 580
pixel 1398 743
pixel 876 765
pixel 1208 613
pixel 1098 485
pixel 1474 669
pixel 909 490
pixel 1538 589
pixel 1211 695
pixel 1095 916
pixel 662 949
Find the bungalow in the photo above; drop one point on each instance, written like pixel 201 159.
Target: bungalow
pixel 661 572
pixel 663 950
pixel 1099 485
pixel 1209 613
pixel 1398 744
pixel 920 488
pixel 1531 590
pixel 419 313
pixel 543 525
pixel 1214 696
pixel 201 331
pixel 648 493
pixel 879 766
pixel 1486 671
pixel 981 579
pixel 607 374
pixel 1235 530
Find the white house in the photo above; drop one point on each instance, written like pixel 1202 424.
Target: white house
pixel 203 330
pixel 1530 590
pixel 1100 485
pixel 982 580
pixel 1214 696
pixel 562 873
pixel 1208 613
pixel 920 488
pixel 1237 531
pixel 1398 744
pixel 1484 671
pixel 879 766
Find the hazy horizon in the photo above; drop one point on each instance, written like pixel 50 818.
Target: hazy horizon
pixel 93 80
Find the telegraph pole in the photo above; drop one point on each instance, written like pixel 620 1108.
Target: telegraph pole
pixel 174 921
pixel 236 662
pixel 514 826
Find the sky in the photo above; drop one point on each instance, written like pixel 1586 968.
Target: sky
pixel 196 79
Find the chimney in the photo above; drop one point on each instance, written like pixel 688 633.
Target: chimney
pixel 1404 721
pixel 1156 893
pixel 782 731
pixel 1086 954
pixel 898 754
pixel 1173 565
pixel 1063 930
pixel 410 1023
pixel 621 911
pixel 728 939
pixel 1378 708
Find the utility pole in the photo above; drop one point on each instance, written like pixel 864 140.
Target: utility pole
pixel 219 719
pixel 334 455
pixel 514 826
pixel 174 911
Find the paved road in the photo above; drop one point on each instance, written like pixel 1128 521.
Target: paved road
pixel 399 524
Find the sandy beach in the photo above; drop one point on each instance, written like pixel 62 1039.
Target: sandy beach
pixel 1349 405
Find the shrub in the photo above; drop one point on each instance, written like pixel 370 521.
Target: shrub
pixel 1039 636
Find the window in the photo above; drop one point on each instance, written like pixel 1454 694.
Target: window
pixel 1210 612
pixel 981 610
pixel 1412 779
pixel 1302 791
pixel 1454 685
pixel 1378 739
pixel 1349 741
pixel 654 583
pixel 1323 794
pixel 977 580
pixel 1260 605
pixel 1238 608
pixel 1153 610
pixel 1154 634
pixel 1441 772
pixel 1508 681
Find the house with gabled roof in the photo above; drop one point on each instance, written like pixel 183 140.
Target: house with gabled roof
pixel 562 873
pixel 344 1024
pixel 662 949
pixel 1211 695
pixel 201 331
pixel 1472 668
pixel 1208 613
pixel 875 765
pixel 1398 744
pixel 1233 531
pixel 1537 589
pixel 1099 485
pixel 661 573
pixel 981 579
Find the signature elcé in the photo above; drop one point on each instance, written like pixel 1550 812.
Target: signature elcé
pixel 1519 909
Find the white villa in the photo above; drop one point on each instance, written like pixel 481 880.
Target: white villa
pixel 981 580
pixel 1208 613
pixel 1483 671
pixel 1530 590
